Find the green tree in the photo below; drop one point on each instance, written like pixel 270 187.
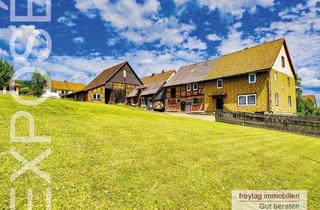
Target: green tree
pixel 24 90
pixel 308 107
pixel 6 73
pixel 317 112
pixel 38 83
pixel 300 101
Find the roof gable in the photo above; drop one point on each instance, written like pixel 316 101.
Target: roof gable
pixel 260 57
pixel 105 76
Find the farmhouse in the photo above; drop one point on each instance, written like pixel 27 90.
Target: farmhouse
pixel 110 86
pixel 61 88
pixel 257 79
pixel 143 95
pixel 260 79
pixel 185 92
pixel 11 89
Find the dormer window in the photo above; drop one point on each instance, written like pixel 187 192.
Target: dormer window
pixel 219 83
pixel 283 62
pixel 189 87
pixel 195 86
pixel 252 78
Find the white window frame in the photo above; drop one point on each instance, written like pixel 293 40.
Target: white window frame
pixel 95 96
pixel 276 76
pixel 218 83
pixel 189 87
pixel 289 101
pixel 247 96
pixel 193 86
pixel 255 78
pixel 276 99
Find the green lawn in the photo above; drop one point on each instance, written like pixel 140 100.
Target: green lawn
pixel 118 157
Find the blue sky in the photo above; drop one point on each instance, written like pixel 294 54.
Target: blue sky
pixel 91 35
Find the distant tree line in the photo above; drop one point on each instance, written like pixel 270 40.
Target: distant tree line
pixel 34 87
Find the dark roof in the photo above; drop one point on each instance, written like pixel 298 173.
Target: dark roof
pixel 192 73
pixel 104 76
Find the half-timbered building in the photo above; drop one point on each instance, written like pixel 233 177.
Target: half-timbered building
pixel 143 95
pixel 185 91
pixel 111 86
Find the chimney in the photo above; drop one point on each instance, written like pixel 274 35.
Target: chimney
pixel 152 75
pixel 162 71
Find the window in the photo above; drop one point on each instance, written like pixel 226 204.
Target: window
pixel 277 99
pixel 220 84
pixel 283 62
pixel 276 76
pixel 247 100
pixel 189 87
pixel 124 74
pixel 288 79
pixel 173 92
pixel 194 101
pixel 289 101
pixel 96 96
pixel 252 78
pixel 195 86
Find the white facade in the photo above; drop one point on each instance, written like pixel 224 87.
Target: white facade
pixel 278 63
pixel 55 93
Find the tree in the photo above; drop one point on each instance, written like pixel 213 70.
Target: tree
pixel 300 101
pixel 24 91
pixel 317 112
pixel 6 73
pixel 38 83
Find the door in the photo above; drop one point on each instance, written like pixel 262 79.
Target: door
pixel 219 103
pixel 107 95
pixel 183 106
pixel 188 107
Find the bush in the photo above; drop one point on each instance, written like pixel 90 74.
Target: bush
pixel 24 91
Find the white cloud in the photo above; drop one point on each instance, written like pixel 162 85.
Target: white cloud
pixel 213 37
pixel 139 22
pixel 78 40
pixel 194 43
pixel 39 44
pixel 235 8
pixel 123 13
pixel 66 21
pixel 310 77
pixel 3 53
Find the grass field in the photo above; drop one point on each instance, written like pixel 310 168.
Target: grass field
pixel 118 157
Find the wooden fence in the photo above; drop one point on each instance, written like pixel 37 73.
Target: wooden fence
pixel 302 125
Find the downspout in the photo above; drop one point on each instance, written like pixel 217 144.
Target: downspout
pixel 269 92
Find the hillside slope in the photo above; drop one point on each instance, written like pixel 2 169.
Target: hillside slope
pixel 117 157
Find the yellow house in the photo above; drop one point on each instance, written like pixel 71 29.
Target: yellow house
pixel 259 79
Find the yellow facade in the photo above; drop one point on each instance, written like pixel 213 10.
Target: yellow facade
pixel 235 86
pixel 284 86
pixel 98 90
pixel 265 88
